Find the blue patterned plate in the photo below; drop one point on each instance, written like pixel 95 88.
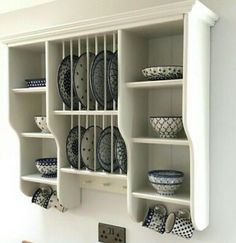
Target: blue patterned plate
pixel 80 80
pixel 72 146
pixel 121 154
pixel 87 147
pixel 104 149
pixel 64 82
pixel 113 76
pixel 97 79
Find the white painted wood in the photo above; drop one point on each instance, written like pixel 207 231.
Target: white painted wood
pixel 40 90
pixel 37 178
pixel 36 135
pixel 155 84
pixel 174 141
pixel 87 112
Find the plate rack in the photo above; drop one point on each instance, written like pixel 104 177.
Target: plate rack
pixel 177 33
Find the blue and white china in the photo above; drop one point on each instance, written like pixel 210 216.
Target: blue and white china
pixel 72 146
pixel 166 189
pixel 55 202
pixel 41 122
pixel 47 167
pixel 113 76
pixel 80 80
pixel 104 148
pixel 179 226
pixel 121 154
pixel 87 147
pixel 163 72
pixel 166 176
pixel 42 196
pixel 34 83
pixel 167 126
pixel 97 79
pixel 155 219
pixel 64 82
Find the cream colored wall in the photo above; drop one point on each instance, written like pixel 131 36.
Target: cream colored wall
pixel 22 220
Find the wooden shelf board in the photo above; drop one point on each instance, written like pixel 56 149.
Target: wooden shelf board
pixel 99 113
pixel 39 179
pixel 167 141
pixel 149 193
pixel 36 135
pixel 156 84
pixel 94 174
pixel 39 90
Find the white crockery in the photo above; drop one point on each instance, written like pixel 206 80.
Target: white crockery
pixel 41 122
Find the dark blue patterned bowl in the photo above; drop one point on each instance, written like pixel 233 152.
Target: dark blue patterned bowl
pixel 47 167
pixel 166 176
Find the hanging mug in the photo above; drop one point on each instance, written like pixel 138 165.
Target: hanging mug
pixel 180 224
pixel 54 202
pixel 41 197
pixel 155 218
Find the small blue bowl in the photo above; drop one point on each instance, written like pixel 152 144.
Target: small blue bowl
pixel 166 177
pixel 47 167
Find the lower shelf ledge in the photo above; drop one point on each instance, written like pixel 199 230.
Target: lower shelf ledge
pixel 36 135
pixel 37 178
pixel 181 198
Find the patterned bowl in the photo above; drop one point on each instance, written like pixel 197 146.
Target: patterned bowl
pixel 166 189
pixel 166 176
pixel 33 83
pixel 47 167
pixel 163 72
pixel 41 122
pixel 167 126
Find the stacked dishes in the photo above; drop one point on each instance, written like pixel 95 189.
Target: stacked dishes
pixel 35 83
pixel 166 182
pixel 89 84
pixel 108 153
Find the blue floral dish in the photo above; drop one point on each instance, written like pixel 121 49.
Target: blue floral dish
pixel 47 167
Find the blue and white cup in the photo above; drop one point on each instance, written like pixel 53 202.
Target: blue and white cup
pixel 55 202
pixel 156 218
pixel 41 197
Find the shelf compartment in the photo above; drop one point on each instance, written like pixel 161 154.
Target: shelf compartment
pixel 37 178
pixel 155 84
pixel 181 198
pixel 163 141
pixel 39 90
pixel 87 112
pixel 37 135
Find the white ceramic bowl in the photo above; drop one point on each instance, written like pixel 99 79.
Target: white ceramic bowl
pixel 163 72
pixel 167 126
pixel 41 122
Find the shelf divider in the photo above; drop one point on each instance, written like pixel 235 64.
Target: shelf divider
pixel 39 179
pixel 164 141
pixel 38 90
pixel 37 135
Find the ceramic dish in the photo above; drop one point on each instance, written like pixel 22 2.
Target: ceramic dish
pixel 97 79
pixel 113 76
pixel 33 83
pixel 163 72
pixel 166 189
pixel 87 147
pixel 104 149
pixel 167 126
pixel 41 122
pixel 72 146
pixel 166 176
pixel 47 167
pixel 121 154
pixel 80 80
pixel 64 82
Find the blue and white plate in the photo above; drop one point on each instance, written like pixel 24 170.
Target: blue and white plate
pixel 80 80
pixel 64 82
pixel 97 79
pixel 121 154
pixel 113 76
pixel 104 149
pixel 87 147
pixel 72 146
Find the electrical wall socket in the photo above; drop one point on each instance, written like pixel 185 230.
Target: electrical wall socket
pixel 111 234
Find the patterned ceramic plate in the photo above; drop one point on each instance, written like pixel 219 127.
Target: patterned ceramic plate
pixel 97 79
pixel 87 147
pixel 104 149
pixel 64 82
pixel 113 76
pixel 121 154
pixel 72 146
pixel 80 80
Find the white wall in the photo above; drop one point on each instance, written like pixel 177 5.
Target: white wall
pixel 21 220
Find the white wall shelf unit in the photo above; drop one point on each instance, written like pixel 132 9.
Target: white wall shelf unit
pixel 177 33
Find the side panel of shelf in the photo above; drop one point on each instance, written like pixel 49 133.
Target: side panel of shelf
pixel 68 184
pixel 196 113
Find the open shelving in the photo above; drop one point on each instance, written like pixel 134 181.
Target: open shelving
pixel 178 34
